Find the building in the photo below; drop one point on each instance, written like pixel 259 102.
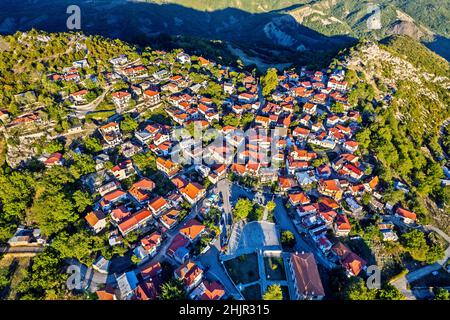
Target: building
pixel 406 216
pixel 141 190
pixel 152 97
pixel 192 230
pixel 96 220
pixel 208 291
pixel 307 284
pixel 193 192
pixel 190 274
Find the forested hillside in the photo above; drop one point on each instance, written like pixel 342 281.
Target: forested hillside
pixel 401 88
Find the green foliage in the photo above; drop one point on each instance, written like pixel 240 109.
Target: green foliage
pixel 242 209
pixel 416 244
pixel 128 124
pixel 45 278
pixel 287 239
pixel 92 145
pixel 441 294
pixel 269 82
pixel 273 292
pixel 53 213
pixel 80 245
pixel 173 290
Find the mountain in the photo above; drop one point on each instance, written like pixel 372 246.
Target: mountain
pixel 260 31
pixel 401 88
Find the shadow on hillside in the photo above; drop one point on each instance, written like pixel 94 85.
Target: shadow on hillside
pixel 441 46
pixel 139 23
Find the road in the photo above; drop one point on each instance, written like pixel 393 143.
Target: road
pixel 210 259
pixel 402 283
pixel 85 109
pixel 284 222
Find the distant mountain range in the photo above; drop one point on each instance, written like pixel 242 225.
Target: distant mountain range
pixel 278 30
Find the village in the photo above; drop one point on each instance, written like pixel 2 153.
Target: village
pixel 308 183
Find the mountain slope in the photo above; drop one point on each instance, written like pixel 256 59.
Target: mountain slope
pixel 401 88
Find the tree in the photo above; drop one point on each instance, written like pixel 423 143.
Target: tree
pixel 53 213
pixel 80 245
pixel 45 278
pixel 271 205
pixel 435 253
pixel 256 214
pixel 230 120
pixel 82 200
pixel 4 278
pixel 357 290
pixel 128 124
pixel 337 107
pixel 242 208
pixel 287 238
pixel 389 292
pixel 441 294
pixel 173 290
pixel 54 146
pixel 269 82
pixel 92 145
pixel 273 293
pixel 416 244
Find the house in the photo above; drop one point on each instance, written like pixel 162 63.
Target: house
pixel 306 178
pixel 306 283
pixel 96 220
pixel 207 290
pixel 349 260
pixel 330 188
pixel 342 226
pixel 136 221
pixel 141 190
pixel 127 283
pixel 123 170
pixel 190 274
pixel 350 146
pixel 152 97
pixel 148 247
pixel 121 98
pixel 111 133
pixel 158 205
pixel 150 270
pixel 56 159
pixel 406 216
pixel 101 265
pixel 192 230
pixel 167 166
pixel 387 231
pixel 79 97
pixel 177 248
pixel 112 198
pixel 106 294
pixel 299 198
pixel 183 58
pixel 170 218
pixel 193 192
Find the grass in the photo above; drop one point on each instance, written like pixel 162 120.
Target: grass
pixel 17 272
pixel 274 268
pixel 243 269
pixel 252 292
